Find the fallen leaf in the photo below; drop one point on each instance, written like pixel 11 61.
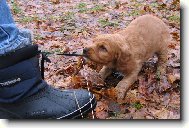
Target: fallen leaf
pixel 55 1
pixel 102 109
pixel 172 78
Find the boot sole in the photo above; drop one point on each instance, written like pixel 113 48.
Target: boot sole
pixel 82 111
pixel 77 114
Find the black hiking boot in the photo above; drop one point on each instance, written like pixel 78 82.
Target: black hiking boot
pixel 24 95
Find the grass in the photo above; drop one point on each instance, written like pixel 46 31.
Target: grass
pixel 105 22
pixel 68 16
pixel 54 18
pixel 16 9
pixel 38 37
pixel 114 114
pixel 27 19
pixel 82 7
pixel 134 13
pixel 97 8
pixel 137 105
pixel 175 18
pixel 65 16
pixel 154 5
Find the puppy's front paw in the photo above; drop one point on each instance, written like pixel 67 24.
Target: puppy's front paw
pixel 120 90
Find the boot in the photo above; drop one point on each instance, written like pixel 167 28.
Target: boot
pixel 25 95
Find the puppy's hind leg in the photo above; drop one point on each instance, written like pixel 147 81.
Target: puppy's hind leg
pixel 162 59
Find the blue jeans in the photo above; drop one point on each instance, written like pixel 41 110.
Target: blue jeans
pixel 11 38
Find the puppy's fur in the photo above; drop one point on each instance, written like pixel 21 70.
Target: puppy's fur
pixel 128 49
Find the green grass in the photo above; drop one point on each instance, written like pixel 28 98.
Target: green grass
pixel 16 9
pixel 38 37
pixel 82 7
pixel 114 114
pixel 137 105
pixel 68 16
pixel 137 4
pixel 28 19
pixel 54 18
pixel 105 22
pixel 134 13
pixel 175 18
pixel 97 8
pixel 158 75
pixel 154 5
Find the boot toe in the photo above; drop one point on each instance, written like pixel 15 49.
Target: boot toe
pixel 75 102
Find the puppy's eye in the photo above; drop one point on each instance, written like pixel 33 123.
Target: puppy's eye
pixel 103 48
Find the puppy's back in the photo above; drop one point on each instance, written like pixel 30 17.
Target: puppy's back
pixel 146 34
pixel 149 25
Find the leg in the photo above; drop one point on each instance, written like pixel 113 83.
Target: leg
pixel 5 17
pixel 105 72
pixel 124 85
pixel 20 80
pixel 162 59
pixel 10 37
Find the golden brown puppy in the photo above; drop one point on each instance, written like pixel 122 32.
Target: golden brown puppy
pixel 128 49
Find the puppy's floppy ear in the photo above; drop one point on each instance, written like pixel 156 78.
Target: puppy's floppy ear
pixel 124 55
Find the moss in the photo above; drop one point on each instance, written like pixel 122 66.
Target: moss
pixel 137 105
pixel 105 22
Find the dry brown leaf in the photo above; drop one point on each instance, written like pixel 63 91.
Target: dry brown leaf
pixel 78 82
pixel 102 115
pixel 102 109
pixel 131 97
pixel 161 114
pixel 140 114
pixel 55 1
pixel 110 93
pixel 173 78
pixel 92 76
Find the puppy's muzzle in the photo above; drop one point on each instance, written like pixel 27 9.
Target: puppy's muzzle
pixel 85 51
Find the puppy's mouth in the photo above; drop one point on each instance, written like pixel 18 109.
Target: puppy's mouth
pixel 86 52
pixel 85 55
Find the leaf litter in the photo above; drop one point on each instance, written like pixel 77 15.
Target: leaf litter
pixel 70 25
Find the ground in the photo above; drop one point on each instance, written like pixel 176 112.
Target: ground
pixel 69 25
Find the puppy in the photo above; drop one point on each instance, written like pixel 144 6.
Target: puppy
pixel 128 49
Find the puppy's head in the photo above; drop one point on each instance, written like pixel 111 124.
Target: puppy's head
pixel 103 49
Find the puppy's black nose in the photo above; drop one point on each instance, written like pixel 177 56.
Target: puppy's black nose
pixel 85 50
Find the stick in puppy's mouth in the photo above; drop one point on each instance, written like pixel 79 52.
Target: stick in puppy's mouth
pixel 71 54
